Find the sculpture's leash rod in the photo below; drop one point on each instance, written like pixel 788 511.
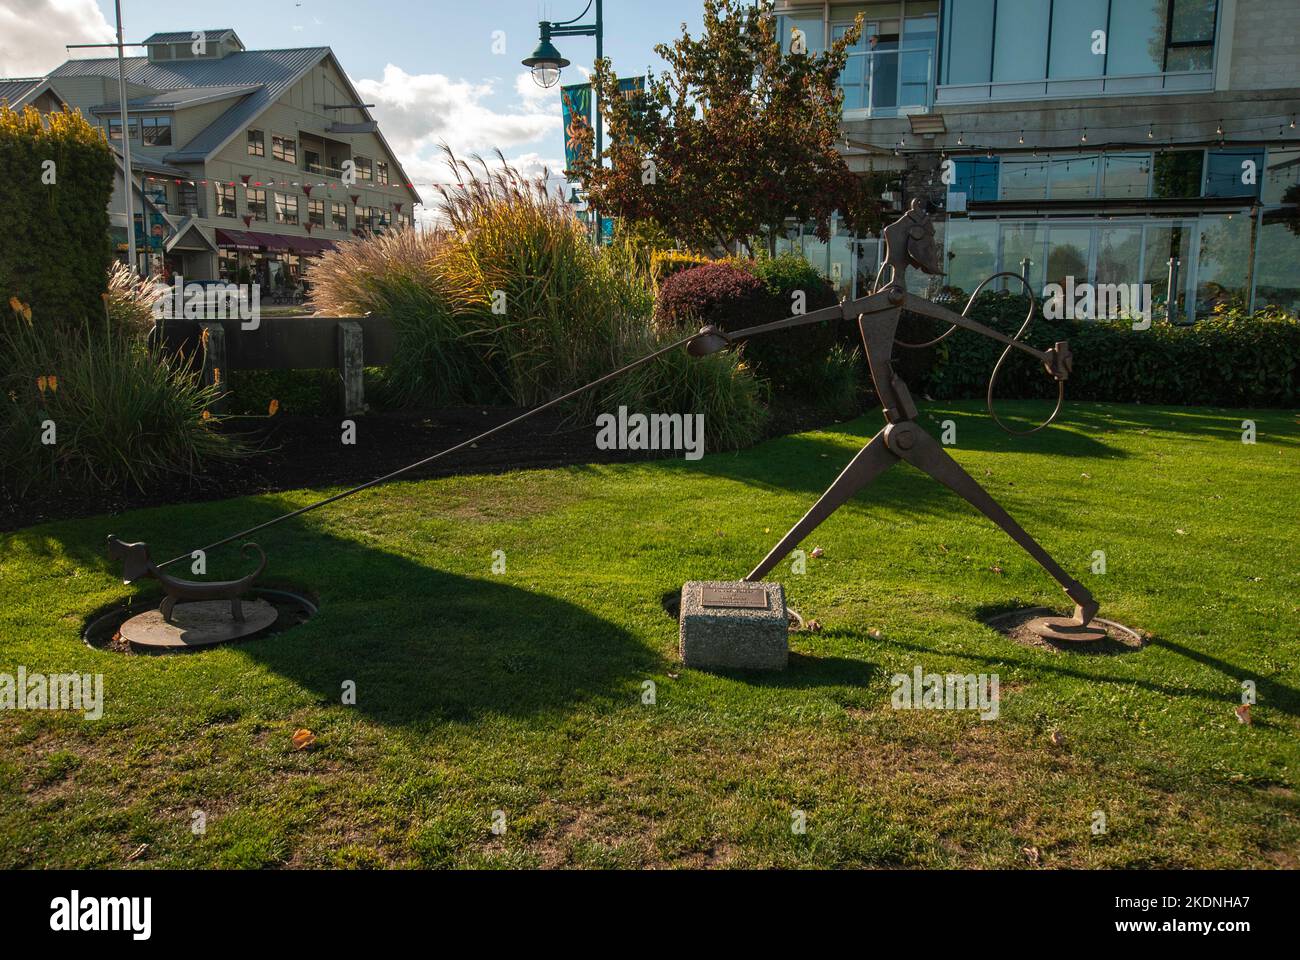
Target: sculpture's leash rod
pixel 460 446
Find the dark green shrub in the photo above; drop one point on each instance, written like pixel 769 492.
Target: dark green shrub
pixel 54 237
pixel 1228 359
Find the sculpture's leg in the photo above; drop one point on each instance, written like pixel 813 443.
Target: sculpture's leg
pixel 921 450
pixel 166 607
pixel 872 460
pixel 237 609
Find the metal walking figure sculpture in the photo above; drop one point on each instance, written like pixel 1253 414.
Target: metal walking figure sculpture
pixel 909 242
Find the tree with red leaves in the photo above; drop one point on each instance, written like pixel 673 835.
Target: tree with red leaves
pixel 736 136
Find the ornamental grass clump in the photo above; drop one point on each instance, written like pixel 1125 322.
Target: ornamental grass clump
pixel 506 300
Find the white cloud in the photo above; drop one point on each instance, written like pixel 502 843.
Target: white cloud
pixel 419 112
pixel 33 32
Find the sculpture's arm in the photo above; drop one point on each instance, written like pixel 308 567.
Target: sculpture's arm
pixel 710 339
pixel 1058 360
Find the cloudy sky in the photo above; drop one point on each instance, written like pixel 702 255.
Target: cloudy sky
pixel 430 66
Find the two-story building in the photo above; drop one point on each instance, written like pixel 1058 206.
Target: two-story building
pixel 1095 139
pixel 241 160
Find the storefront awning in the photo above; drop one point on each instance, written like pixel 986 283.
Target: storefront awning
pixel 236 238
pixel 272 243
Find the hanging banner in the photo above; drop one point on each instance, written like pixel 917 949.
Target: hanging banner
pixel 576 102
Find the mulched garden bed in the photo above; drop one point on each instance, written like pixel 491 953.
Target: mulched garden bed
pixel 293 452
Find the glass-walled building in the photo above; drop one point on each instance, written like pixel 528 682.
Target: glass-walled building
pixel 1097 140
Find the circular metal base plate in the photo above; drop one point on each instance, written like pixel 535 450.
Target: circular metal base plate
pixel 1064 629
pixel 197 625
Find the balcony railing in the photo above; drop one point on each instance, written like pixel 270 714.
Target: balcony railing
pixel 324 170
pixel 888 83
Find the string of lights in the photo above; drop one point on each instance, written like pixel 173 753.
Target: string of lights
pixel 1280 126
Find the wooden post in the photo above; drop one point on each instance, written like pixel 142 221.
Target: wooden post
pixel 352 392
pixel 214 362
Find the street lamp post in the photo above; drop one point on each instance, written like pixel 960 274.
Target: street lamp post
pixel 547 63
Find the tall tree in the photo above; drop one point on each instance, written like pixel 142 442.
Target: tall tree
pixel 736 136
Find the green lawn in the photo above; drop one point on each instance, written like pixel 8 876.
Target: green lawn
pixel 522 692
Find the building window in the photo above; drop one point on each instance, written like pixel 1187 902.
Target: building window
pixel 1031 41
pixel 976 178
pixel 256 202
pixel 1191 35
pixel 256 143
pixel 316 212
pixel 1282 173
pixel 1177 174
pixel 284 148
pixel 1226 173
pixel 381 172
pixel 187 199
pixel 1070 52
pixel 286 209
pixel 339 214
pixel 157 131
pixel 364 170
pixel 115 128
pixel 226 200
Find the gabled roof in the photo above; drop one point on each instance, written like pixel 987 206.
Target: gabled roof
pixel 19 92
pixel 272 71
pixel 175 99
pixel 187 36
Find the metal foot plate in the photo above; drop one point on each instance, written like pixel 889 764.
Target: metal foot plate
pixel 1064 629
pixel 197 625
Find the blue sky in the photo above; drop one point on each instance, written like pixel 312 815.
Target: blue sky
pixel 428 66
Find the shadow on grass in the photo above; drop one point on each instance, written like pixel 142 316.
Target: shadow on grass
pixel 807 672
pixel 1278 696
pixel 422 645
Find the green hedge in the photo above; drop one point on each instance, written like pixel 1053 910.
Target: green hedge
pixel 54 242
pixel 1228 359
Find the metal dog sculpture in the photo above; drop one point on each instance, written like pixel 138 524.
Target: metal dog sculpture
pixel 136 565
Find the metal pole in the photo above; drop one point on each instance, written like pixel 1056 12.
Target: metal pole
pixel 1171 299
pixel 595 106
pixel 126 144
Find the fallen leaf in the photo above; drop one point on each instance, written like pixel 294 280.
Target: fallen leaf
pixel 1031 853
pixel 1086 476
pixel 996 569
pixel 876 634
pixel 814 626
pixel 273 409
pixel 673 676
pixel 53 383
pixel 137 853
pixel 1181 533
pixel 207 414
pixel 302 739
pixel 816 552
pixel 1057 738
pixel 1243 714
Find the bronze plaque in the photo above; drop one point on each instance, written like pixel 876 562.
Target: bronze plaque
pixel 747 595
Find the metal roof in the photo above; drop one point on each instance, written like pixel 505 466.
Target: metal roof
pixel 174 99
pixel 274 70
pixel 15 92
pixel 187 36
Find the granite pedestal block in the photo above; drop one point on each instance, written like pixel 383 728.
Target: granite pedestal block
pixel 734 625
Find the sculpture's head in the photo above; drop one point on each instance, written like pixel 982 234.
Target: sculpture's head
pixel 134 557
pixel 912 234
